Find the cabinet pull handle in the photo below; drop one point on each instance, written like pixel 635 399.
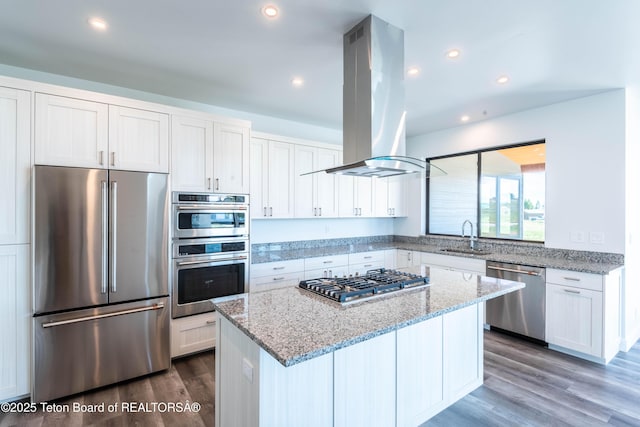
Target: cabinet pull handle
pixel 327 262
pixel 319 211
pixel 113 158
pixel 278 268
pixel 368 257
pixel 330 274
pixel 325 274
pixel 368 265
pixel 217 184
pixel 271 211
pixel 101 158
pixel 315 211
pixel 208 183
pixel 393 211
pixel 572 279
pixel 571 291
pixel 211 322
pixel 278 278
pixel 264 211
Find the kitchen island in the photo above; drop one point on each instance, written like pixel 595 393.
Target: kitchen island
pixel 288 357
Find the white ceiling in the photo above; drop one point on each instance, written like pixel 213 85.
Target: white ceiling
pixel 226 53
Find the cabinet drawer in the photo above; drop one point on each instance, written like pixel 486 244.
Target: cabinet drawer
pixel 449 262
pixel 193 333
pixel 283 280
pixel 326 262
pixel 376 257
pixel 337 271
pixel 276 268
pixel 575 279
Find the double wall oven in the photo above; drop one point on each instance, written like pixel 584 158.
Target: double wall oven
pixel 210 249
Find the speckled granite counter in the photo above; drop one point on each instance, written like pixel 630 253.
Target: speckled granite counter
pixel 294 325
pixel 533 255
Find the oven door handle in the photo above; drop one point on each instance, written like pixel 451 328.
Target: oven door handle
pixel 216 261
pixel 209 208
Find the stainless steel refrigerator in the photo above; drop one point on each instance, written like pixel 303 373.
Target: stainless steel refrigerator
pixel 101 310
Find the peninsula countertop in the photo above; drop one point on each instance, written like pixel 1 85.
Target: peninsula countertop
pixel 294 325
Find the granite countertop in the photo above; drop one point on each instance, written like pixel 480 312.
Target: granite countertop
pixel 294 325
pixel 534 260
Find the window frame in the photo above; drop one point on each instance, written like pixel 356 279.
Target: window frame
pixel 478 153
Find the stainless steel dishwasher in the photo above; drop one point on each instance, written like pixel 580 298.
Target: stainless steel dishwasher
pixel 523 311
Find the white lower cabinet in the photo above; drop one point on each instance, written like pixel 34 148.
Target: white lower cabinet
pixel 456 263
pixel 192 334
pixel 406 258
pixel 15 318
pixel 583 314
pixel 273 275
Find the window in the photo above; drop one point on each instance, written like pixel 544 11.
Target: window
pixel 500 189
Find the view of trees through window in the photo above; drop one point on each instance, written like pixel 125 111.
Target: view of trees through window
pixel 502 190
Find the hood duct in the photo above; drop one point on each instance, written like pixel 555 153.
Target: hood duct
pixel 373 102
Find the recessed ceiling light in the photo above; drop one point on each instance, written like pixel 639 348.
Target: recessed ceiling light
pixel 413 71
pixel 98 23
pixel 464 118
pixel 453 53
pixel 502 80
pixel 297 81
pixel 270 11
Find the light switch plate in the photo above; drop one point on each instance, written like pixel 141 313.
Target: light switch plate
pixel 247 370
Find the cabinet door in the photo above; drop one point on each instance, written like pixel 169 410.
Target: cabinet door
pixel 574 319
pixel 138 140
pixel 191 154
pixel 70 132
pixel 381 201
pixel 397 196
pixel 259 158
pixel 230 158
pixel 15 318
pixel 327 192
pixel 281 179
pixel 346 202
pixel 15 166
pixel 305 185
pixel 193 333
pixel 364 196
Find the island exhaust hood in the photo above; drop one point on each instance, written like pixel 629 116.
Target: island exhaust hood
pixel 373 103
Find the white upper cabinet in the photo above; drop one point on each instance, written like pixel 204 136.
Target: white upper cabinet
pixel 356 196
pixel 208 156
pixel 390 196
pixel 71 132
pixel 272 178
pixel 191 154
pixel 138 140
pixel 15 165
pixel 76 132
pixel 316 195
pixel 230 158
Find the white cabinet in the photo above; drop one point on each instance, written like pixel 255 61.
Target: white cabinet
pixel 71 132
pixel 15 165
pixel 316 195
pixel 361 262
pixel 278 274
pixel 76 132
pixel 583 313
pixel 192 334
pixel 457 263
pixel 208 156
pixel 326 266
pixel 138 140
pixel 272 178
pixel 230 158
pixel 356 196
pixel 390 196
pixel 15 318
pixel 191 154
pixel 406 258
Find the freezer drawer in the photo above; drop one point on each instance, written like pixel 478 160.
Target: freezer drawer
pixel 85 349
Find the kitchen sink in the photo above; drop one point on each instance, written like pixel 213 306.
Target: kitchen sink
pixel 467 251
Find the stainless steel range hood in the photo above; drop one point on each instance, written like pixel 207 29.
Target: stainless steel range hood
pixel 373 102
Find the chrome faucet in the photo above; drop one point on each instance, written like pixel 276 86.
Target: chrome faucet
pixel 472 240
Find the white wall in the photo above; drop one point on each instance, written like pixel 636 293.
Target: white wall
pixel 284 230
pixel 585 173
pixel 631 308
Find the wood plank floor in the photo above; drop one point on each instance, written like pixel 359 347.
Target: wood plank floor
pixel 524 385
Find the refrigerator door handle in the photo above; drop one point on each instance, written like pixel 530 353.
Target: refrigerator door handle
pixel 114 233
pixel 158 306
pixel 105 237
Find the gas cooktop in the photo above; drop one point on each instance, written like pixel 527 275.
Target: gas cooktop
pixel 359 288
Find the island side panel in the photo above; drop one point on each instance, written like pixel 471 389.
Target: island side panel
pixel 419 376
pixel 299 395
pixel 237 377
pixel 462 351
pixel 365 383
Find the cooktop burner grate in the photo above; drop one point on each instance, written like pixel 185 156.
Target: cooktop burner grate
pixel 373 283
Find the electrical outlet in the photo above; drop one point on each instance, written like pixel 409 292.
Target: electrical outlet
pixel 596 237
pixel 247 370
pixel 578 236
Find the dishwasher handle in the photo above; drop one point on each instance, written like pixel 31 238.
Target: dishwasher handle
pixel 513 270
